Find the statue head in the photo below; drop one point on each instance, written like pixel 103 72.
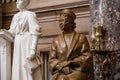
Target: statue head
pixel 69 13
pixel 22 4
pixel 67 18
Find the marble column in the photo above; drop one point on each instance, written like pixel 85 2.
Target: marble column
pixel 106 13
pixel 0 14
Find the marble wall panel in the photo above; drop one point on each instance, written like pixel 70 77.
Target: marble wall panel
pixel 107 14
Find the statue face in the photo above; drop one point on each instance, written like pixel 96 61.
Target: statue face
pixel 21 4
pixel 64 22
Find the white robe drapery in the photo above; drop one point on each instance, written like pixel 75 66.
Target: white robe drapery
pixel 24 24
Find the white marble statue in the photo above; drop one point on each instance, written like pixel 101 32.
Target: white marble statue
pixel 25 28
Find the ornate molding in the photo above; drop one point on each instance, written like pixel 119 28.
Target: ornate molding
pixel 58 5
pixel 56 17
pixel 44 7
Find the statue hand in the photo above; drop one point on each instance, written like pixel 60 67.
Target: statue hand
pixel 32 51
pixel 66 70
pixel 3 29
pixel 32 54
pixel 7 31
pixel 63 64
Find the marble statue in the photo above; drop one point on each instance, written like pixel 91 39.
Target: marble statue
pixel 26 29
pixel 70 57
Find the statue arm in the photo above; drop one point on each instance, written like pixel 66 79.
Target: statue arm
pixel 13 26
pixel 34 29
pixel 53 61
pixel 34 26
pixel 56 65
pixel 34 44
pixel 86 57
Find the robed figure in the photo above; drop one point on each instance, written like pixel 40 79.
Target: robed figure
pixel 26 30
pixel 70 57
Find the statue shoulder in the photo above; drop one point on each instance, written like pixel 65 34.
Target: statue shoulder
pixel 30 12
pixel 79 35
pixel 57 38
pixel 17 14
pixel 83 37
pixel 26 13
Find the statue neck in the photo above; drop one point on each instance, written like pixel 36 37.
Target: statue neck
pixel 21 10
pixel 69 32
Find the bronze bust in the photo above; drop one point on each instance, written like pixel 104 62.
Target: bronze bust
pixel 70 57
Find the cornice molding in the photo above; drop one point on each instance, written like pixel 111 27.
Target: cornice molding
pixel 48 6
pixel 45 7
pixel 56 17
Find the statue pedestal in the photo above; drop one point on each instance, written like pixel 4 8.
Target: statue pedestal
pixel 5 55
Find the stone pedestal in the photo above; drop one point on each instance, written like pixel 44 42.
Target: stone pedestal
pixel 5 55
pixel 106 13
